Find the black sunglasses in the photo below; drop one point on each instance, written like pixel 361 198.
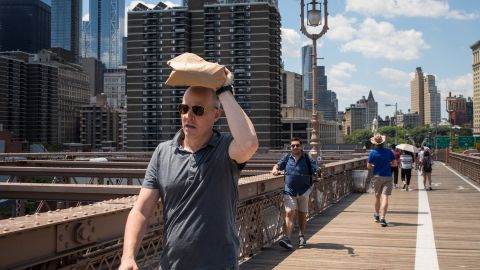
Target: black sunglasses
pixel 295 145
pixel 196 109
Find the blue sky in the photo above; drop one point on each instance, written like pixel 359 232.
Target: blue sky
pixel 377 44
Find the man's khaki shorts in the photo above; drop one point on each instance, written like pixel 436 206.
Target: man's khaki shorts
pixel 299 202
pixel 382 185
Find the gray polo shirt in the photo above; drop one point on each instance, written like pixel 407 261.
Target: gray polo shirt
pixel 199 194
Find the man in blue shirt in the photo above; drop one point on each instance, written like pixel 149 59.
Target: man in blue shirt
pixel 381 159
pixel 299 172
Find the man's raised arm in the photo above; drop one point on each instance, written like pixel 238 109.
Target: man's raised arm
pixel 245 141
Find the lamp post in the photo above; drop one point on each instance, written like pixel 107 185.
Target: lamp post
pixel 314 19
pixel 395 117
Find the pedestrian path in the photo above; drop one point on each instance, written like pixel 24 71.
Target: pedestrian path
pixel 437 229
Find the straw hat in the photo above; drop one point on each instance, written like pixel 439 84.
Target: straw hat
pixel 378 139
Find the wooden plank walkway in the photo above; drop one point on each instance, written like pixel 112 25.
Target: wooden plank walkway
pixel 346 237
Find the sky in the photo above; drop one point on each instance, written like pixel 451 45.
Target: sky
pixel 377 45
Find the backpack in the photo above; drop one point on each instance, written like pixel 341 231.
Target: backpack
pixel 427 165
pixel 309 165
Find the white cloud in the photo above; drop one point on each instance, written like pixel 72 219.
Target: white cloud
pixel 408 8
pixel 397 77
pixel 381 40
pixel 86 17
pixel 459 85
pixel 292 43
pixel 341 28
pixel 341 70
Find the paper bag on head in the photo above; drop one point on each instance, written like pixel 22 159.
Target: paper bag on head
pixel 191 70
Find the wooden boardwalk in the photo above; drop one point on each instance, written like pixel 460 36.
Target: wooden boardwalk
pixel 346 237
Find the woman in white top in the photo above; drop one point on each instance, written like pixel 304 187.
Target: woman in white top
pixel 406 165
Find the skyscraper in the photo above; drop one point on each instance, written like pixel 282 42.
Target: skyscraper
pixel 66 20
pixel 371 107
pixel 292 91
pixel 24 25
pixel 431 101
pixel 416 96
pixel 107 19
pixel 476 86
pixel 85 40
pixel 307 75
pixel 243 36
pixel 326 99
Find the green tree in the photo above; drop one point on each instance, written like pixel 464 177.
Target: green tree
pixel 359 136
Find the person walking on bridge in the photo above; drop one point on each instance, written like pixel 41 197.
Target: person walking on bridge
pixel 426 165
pixel 300 169
pixel 381 160
pixel 196 177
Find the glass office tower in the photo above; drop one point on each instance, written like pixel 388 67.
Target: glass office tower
pixel 66 19
pixel 107 29
pixel 24 25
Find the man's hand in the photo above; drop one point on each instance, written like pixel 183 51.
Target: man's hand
pixel 275 170
pixel 128 264
pixel 229 79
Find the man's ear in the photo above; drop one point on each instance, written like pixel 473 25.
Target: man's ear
pixel 218 114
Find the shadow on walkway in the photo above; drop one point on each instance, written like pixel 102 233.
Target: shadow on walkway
pixel 271 256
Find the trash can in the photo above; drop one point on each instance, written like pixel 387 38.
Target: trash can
pixel 360 180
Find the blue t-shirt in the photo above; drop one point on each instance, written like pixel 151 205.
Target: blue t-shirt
pixel 381 158
pixel 297 178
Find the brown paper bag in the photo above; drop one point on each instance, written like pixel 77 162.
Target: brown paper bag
pixel 191 70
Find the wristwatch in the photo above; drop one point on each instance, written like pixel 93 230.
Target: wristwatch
pixel 225 88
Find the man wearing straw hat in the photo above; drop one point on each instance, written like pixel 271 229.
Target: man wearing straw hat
pixel 196 176
pixel 381 159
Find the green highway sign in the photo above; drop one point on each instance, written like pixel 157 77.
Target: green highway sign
pixel 466 141
pixel 442 142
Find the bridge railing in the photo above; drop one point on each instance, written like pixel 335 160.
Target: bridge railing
pixel 466 165
pixel 91 236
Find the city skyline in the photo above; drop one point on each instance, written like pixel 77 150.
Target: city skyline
pixel 376 46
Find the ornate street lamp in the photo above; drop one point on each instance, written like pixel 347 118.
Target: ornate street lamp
pixel 314 19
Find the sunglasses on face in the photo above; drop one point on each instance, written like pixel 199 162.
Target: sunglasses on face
pixel 295 145
pixel 196 109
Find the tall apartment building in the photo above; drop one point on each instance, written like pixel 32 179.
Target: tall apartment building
pixel 431 101
pixel 115 87
pixel 73 92
pixel 66 24
pixel 94 69
pixel 416 96
pixel 13 90
pixel 30 98
pixel 243 36
pixel 354 118
pixel 24 25
pixel 476 86
pixel 371 107
pixel 107 28
pixel 101 125
pixel 292 90
pixel 425 99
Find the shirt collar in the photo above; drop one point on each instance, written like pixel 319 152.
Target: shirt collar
pixel 180 136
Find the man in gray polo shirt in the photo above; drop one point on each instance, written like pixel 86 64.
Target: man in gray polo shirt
pixel 196 175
